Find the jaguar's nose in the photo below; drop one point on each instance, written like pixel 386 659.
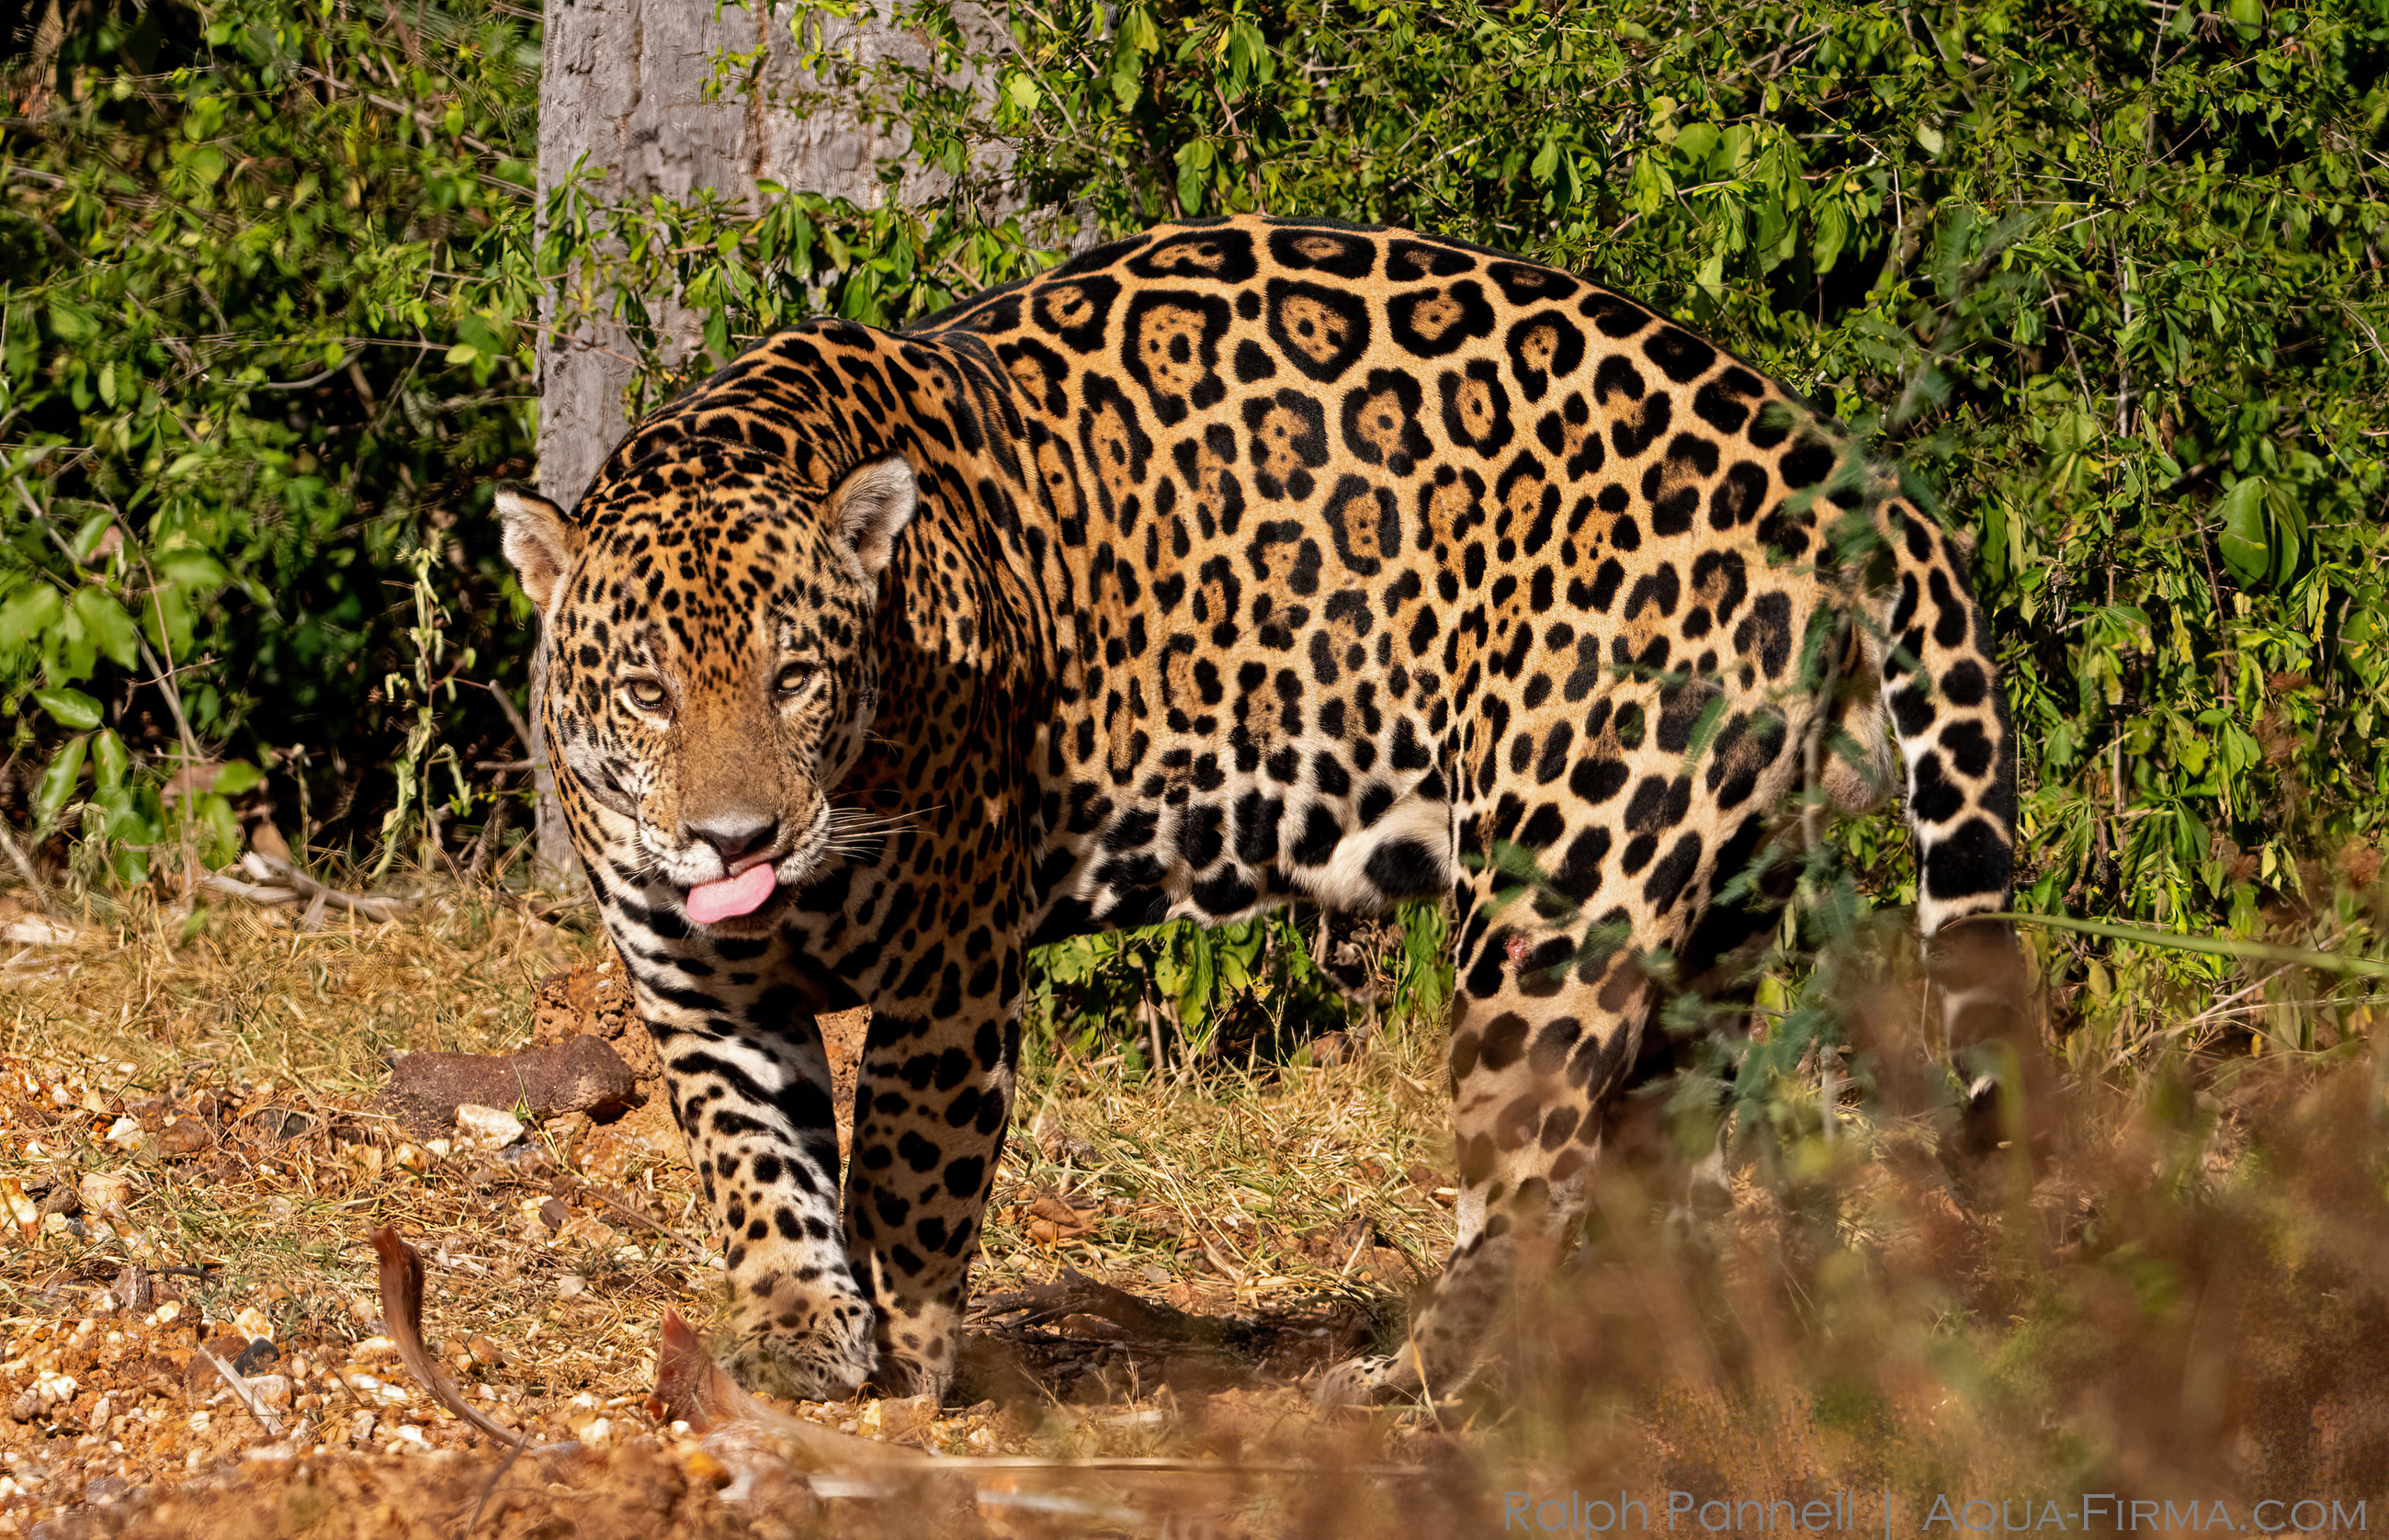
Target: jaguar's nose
pixel 735 841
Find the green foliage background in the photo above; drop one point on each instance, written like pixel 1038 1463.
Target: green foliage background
pixel 2106 276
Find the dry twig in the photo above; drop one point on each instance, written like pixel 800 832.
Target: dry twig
pixel 243 1393
pixel 293 885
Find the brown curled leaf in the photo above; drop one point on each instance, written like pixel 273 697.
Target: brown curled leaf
pixel 402 1308
pixel 692 1388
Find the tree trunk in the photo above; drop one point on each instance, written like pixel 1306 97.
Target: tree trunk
pixel 622 82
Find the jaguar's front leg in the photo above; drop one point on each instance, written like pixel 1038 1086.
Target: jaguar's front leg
pixel 752 1096
pixel 930 1107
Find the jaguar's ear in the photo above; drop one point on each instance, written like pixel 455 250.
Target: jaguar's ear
pixel 539 542
pixel 871 508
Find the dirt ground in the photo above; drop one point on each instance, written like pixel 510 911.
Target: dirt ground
pixel 2165 1285
pixel 186 1201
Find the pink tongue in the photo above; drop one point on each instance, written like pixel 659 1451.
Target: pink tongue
pixel 741 894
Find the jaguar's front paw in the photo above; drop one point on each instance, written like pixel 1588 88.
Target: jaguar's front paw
pixel 1372 1381
pixel 810 1350
pixel 918 1343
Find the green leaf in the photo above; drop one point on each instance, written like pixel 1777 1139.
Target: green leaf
pixel 236 777
pixel 71 707
pixel 190 568
pixel 70 322
pixel 1832 231
pixel 87 538
pixel 58 782
pixel 1193 161
pixel 28 613
pixel 167 619
pixel 2288 530
pixel 214 817
pixel 106 624
pixel 2246 548
pixel 108 763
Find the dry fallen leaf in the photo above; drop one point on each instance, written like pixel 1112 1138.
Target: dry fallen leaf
pixel 401 1306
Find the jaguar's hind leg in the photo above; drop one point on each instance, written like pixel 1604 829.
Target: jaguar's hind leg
pixel 1541 1039
pixel 1556 977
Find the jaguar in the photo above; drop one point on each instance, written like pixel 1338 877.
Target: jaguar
pixel 1235 564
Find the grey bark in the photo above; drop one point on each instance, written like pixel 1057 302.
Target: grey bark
pixel 622 82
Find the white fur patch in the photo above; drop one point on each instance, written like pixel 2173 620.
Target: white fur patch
pixel 1343 882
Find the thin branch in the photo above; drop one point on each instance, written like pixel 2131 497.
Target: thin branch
pixel 242 1392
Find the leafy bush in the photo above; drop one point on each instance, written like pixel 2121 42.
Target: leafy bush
pixel 2109 282
pixel 261 347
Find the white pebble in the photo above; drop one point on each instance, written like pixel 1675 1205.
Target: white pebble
pixel 487 1127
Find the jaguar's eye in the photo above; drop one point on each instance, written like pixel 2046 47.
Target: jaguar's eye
pixel 647 695
pixel 792 677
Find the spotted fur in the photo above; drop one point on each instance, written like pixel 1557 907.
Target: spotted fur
pixel 1233 565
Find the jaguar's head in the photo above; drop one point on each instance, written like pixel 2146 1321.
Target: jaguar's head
pixel 710 670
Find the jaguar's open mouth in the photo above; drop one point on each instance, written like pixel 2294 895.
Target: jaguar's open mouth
pixel 709 903
pixel 752 896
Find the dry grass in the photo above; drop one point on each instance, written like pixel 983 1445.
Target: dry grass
pixel 2171 1292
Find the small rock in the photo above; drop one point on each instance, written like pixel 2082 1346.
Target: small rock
pixel 201 1381
pixel 125 1134
pixel 1058 1145
pixel 133 1289
pixel 570 1286
pixel 576 1074
pixel 484 1352
pixel 487 1127
pixel 271 1391
pixel 35 930
pixel 411 1158
pixel 26 1407
pixel 907 1417
pixel 252 1323
pixel 182 1137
